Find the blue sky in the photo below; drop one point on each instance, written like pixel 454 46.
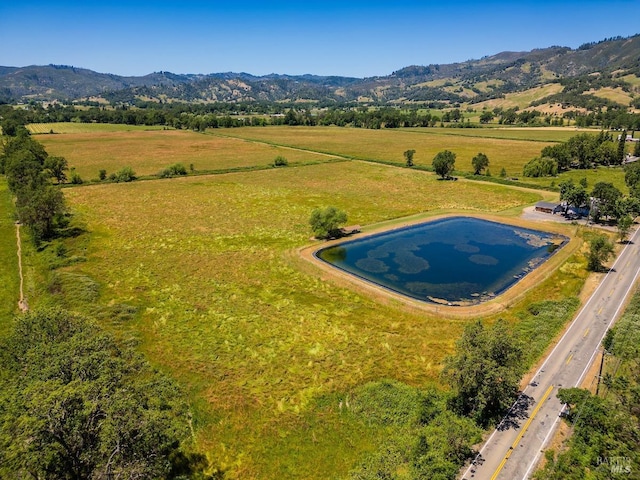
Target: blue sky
pixel 348 38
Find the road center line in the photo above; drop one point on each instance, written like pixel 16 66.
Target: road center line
pixel 522 432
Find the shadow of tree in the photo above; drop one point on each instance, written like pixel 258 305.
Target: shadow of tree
pixel 516 413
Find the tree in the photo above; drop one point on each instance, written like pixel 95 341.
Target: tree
pixel 636 150
pixel 621 145
pixel 408 156
pixel 624 226
pixel 57 167
pixel 41 209
pixel 74 404
pixel 540 167
pixel 632 177
pixel 326 222
pixel 486 116
pixel 600 249
pixel 485 371
pixel 607 197
pixel 573 194
pixel 479 162
pixel 560 153
pixel 443 163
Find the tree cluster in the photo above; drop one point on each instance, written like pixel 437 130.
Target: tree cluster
pixel 485 372
pixel 76 405
pixel 28 169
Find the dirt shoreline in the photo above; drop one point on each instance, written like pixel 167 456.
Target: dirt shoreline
pixel 495 305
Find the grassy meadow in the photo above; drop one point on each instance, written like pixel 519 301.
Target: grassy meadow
pixel 389 145
pixel 268 349
pixel 148 152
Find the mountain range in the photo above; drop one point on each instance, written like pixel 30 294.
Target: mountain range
pixel 473 81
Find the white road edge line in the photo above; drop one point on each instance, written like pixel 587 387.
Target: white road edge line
pixel 573 322
pixel 584 372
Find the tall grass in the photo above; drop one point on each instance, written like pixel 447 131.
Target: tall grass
pixel 265 345
pixel 9 278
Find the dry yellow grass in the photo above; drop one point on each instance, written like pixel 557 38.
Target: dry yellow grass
pixel 148 152
pixel 614 94
pixel 521 99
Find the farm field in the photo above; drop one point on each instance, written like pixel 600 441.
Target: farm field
pixel 72 127
pixel 266 347
pixel 389 145
pixel 148 152
pixel 614 175
pixel 540 134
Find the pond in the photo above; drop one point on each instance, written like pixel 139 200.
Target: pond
pixel 455 260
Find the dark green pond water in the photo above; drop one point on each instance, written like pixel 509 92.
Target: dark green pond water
pixel 453 260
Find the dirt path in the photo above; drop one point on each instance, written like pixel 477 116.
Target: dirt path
pixel 22 303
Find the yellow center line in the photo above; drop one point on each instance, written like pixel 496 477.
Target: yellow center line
pixel 522 432
pixel 600 311
pixel 611 292
pixel 569 359
pixel 586 332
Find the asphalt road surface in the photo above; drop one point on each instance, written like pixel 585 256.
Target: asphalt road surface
pixel 515 447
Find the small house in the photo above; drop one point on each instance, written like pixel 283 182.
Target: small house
pixel 549 207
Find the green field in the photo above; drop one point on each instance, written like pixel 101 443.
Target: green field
pixel 540 134
pixel 205 273
pixel 266 347
pixel 9 294
pixel 614 175
pixel 389 145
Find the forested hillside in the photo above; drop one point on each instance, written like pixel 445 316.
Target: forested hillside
pixel 582 74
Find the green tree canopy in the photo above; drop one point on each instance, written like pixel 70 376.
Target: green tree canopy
pixel 408 156
pixel 600 249
pixel 57 167
pixel 573 194
pixel 485 371
pixel 607 198
pixel 74 404
pixel 443 163
pixel 479 163
pixel 326 222
pixel 540 167
pixel 624 226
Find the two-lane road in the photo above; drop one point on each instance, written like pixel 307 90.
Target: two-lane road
pixel 514 448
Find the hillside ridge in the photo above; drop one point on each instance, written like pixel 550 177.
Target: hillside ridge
pixel 471 81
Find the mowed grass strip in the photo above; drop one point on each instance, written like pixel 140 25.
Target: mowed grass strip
pixel 9 277
pixel 389 145
pixel 148 152
pixel 255 333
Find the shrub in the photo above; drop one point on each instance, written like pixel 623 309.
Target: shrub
pixel 75 177
pixel 125 174
pixel 280 161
